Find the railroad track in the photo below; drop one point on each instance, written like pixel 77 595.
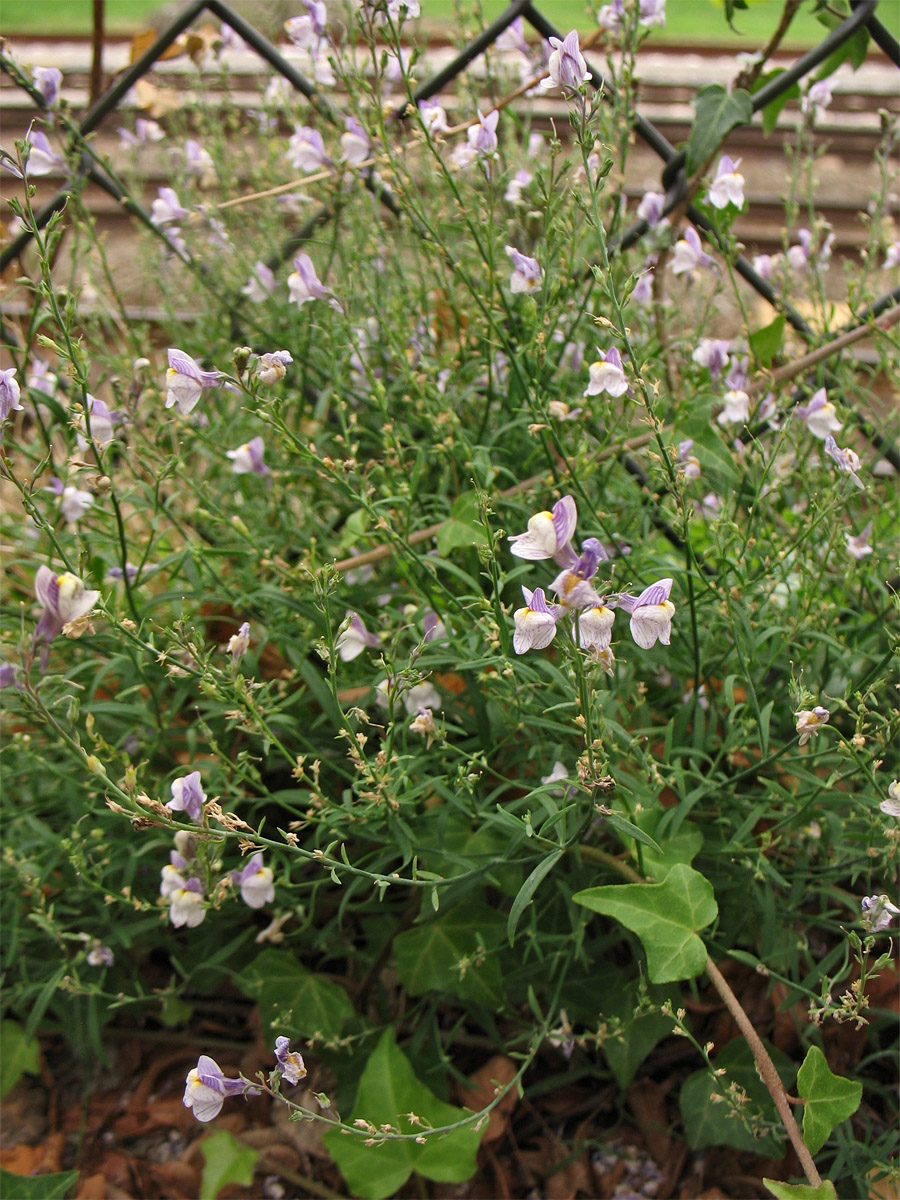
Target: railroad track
pixel 846 175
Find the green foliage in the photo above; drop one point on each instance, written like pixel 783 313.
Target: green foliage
pixel 37 1187
pixel 666 917
pixel 293 1000
pixel 829 1098
pixel 226 1161
pixel 801 1191
pixel 455 952
pixel 717 112
pixel 390 1095
pixel 765 343
pixel 21 1055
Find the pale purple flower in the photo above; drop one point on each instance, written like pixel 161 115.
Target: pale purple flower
pixel 102 423
pixel 712 353
pixel 256 882
pixel 198 161
pixel 567 68
pixel 306 150
pixel 728 185
pixel 166 208
pixel 433 628
pixel 434 118
pixel 47 80
pixel 39 377
pixel 239 642
pixel 527 274
pixel 810 721
pixel 188 795
pixel 513 38
pixel 9 676
pixel 689 257
pixel 607 375
pixel 815 99
pixel 611 16
pixel 355 144
pixel 847 460
pixel 304 284
pixel 9 393
pixel 272 367
pixel 517 185
pixel 423 724
pixel 73 502
pixel 206 1088
pixel 651 614
pixel 572 584
pixel 185 381
pixel 594 632
pixel 355 638
pixel 737 407
pixel 65 600
pixel 186 907
pixel 651 208
pixel 117 573
pixel 99 955
pixel 892 257
pixel 399 10
pixel 483 136
pixel 650 12
pixel 764 265
pixel 878 912
pixel 41 159
pixel 891 806
pixel 421 695
pixel 145 132
pixel 260 285
pixel 689 463
pixel 858 544
pixel 819 414
pixel 248 458
pixel 549 534
pixel 290 1063
pixel 643 289
pixel 535 623
pixel 309 29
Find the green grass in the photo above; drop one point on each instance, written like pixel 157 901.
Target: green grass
pixel 688 21
pixel 53 17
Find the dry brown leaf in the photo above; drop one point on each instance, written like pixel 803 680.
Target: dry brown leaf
pixel 647 1101
pixel 883 1188
pixel 92 1187
pixel 155 101
pixel 141 43
pixel 496 1073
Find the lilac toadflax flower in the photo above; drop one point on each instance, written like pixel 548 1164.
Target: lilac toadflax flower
pixel 256 882
pixel 166 208
pixel 527 273
pixel 728 185
pixel 9 393
pixel 186 907
pixel 819 414
pixel 188 795
pixel 66 602
pixel 185 381
pixel 858 544
pixel 607 375
pixel 549 534
pixel 47 80
pixel 712 353
pixel 239 642
pixel 482 137
pixel 355 638
pixel 304 284
pixel 206 1088
pixel 567 68
pixel 651 208
pixel 847 461
pixel 878 912
pixel 248 458
pixel 261 284
pixel 535 623
pixel 689 257
pixel 290 1063
pixel 810 721
pixel 271 368
pixel 651 614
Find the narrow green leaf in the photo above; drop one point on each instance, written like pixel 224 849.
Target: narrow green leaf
pixel 665 916
pixel 829 1098
pixel 527 890
pixel 36 1187
pixel 227 1161
pixel 718 111
pixel 20 1055
pixel 629 830
pixel 388 1093
pixel 801 1191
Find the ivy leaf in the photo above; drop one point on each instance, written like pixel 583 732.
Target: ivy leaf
pixel 665 916
pixel 36 1187
pixel 801 1191
pixel 292 1000
pixel 428 957
pixel 388 1093
pixel 829 1098
pixel 718 112
pixel 773 109
pixel 766 342
pixel 227 1161
pixel 21 1055
pixel 464 528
